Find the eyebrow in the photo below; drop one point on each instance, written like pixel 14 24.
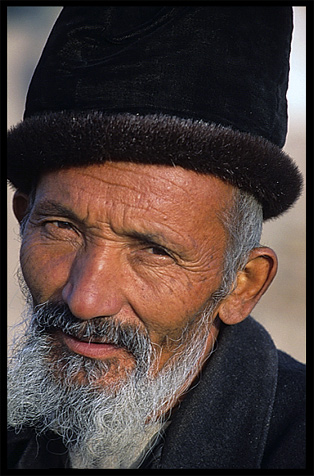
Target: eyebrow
pixel 50 207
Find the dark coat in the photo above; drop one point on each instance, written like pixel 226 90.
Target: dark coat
pixel 247 411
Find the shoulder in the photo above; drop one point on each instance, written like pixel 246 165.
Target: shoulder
pixel 285 446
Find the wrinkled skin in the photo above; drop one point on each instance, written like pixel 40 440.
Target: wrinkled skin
pixel 143 244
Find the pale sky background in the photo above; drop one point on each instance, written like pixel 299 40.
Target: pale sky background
pixel 282 308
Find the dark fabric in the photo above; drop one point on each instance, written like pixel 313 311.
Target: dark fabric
pixel 222 64
pixel 27 451
pixel 247 411
pixel 226 66
pixel 287 432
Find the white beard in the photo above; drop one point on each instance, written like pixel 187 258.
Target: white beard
pixel 100 428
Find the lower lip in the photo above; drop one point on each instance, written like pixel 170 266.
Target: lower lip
pixel 94 351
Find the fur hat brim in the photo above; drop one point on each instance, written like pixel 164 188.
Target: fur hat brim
pixel 63 139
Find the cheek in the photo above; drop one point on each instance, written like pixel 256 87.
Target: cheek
pixel 167 302
pixel 167 307
pixel 45 271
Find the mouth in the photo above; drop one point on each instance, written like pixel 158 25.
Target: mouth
pixel 94 350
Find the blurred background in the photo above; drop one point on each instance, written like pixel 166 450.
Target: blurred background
pixel 282 308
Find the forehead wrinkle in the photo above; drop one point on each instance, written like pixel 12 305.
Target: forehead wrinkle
pixel 177 177
pixel 149 171
pixel 137 199
pixel 165 194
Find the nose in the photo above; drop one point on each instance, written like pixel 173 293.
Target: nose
pixel 94 286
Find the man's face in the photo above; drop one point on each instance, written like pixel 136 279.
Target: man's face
pixel 141 245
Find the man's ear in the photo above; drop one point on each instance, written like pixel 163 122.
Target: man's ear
pixel 252 282
pixel 20 205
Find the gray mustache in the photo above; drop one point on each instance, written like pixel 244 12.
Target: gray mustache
pixel 50 317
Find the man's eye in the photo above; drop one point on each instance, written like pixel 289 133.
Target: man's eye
pixel 61 224
pixel 59 227
pixel 157 250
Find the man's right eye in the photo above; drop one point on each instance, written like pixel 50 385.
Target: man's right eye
pixel 60 228
pixel 61 224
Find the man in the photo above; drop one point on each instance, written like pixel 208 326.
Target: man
pixel 148 158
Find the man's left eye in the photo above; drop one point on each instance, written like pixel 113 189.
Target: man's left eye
pixel 157 250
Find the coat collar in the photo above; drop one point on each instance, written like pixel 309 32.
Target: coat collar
pixel 223 422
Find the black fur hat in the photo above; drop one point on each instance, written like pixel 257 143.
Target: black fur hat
pixel 199 87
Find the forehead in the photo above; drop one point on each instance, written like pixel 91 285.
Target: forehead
pixel 173 182
pixel 149 192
